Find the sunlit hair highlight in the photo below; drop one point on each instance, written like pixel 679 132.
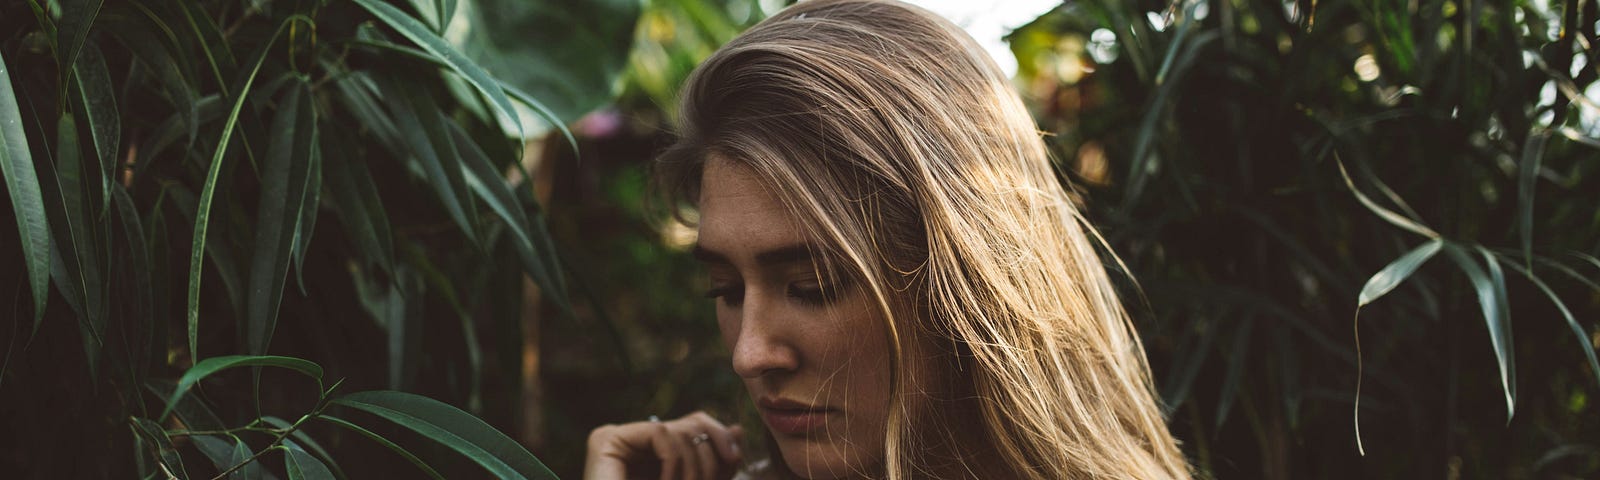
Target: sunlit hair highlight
pixel 902 149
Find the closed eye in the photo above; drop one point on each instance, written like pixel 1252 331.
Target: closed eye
pixel 731 295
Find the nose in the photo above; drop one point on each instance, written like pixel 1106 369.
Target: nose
pixel 761 344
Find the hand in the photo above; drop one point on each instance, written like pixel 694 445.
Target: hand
pixel 665 448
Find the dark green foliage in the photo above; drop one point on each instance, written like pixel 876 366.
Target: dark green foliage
pixel 168 164
pixel 1211 140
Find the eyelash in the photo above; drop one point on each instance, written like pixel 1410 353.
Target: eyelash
pixel 734 295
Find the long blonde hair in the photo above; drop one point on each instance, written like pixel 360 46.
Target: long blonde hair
pixel 899 144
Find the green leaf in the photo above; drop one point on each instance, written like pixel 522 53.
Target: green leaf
pixel 509 39
pixel 171 461
pixel 360 209
pixel 72 29
pixel 242 453
pixel 1384 213
pixel 78 271
pixel 286 173
pixel 385 442
pixel 303 466
pixel 1572 323
pixel 1527 178
pixel 1491 291
pixel 482 178
pixel 203 211
pixel 453 428
pixel 544 112
pixel 422 128
pixel 1397 271
pixel 432 43
pixel 307 224
pixel 27 202
pixel 215 449
pixel 216 364
pixel 301 437
pixel 96 99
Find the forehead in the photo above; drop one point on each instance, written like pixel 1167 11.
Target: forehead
pixel 740 214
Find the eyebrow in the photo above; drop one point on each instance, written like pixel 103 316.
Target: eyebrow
pixel 777 256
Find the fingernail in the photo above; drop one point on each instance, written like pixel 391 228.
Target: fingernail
pixel 735 449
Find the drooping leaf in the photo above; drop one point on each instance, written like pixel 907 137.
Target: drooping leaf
pixel 96 99
pixel 242 454
pixel 572 81
pixel 306 227
pixel 312 446
pixel 385 442
pixel 170 460
pixel 215 448
pixel 481 177
pixel 453 428
pixel 286 174
pixel 72 29
pixel 216 364
pixel 1566 314
pixel 422 128
pixel 360 210
pixel 1397 271
pixel 1527 177
pixel 203 211
pixel 1384 213
pixel 1490 290
pixel 27 201
pixel 75 263
pixel 432 43
pixel 303 466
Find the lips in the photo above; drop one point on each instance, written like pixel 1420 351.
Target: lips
pixel 789 417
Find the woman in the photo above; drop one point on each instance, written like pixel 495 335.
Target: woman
pixel 906 288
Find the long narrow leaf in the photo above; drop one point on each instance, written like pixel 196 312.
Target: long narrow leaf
pixel 419 34
pixel 285 176
pixel 1491 297
pixel 481 177
pixel 360 209
pixel 301 437
pixel 242 454
pixel 426 139
pixel 1527 176
pixel 306 227
pixel 79 272
pixel 213 365
pixel 96 98
pixel 303 466
pixel 1397 271
pixel 72 30
pixel 169 457
pixel 453 428
pixel 27 202
pixel 1384 213
pixel 1572 322
pixel 203 212
pixel 386 444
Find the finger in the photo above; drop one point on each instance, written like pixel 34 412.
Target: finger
pixel 667 448
pixel 706 451
pixel 723 438
pixel 690 460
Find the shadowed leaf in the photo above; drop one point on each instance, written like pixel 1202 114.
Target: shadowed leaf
pixel 453 428
pixel 386 444
pixel 27 202
pixel 216 364
pixel 1490 290
pixel 1397 271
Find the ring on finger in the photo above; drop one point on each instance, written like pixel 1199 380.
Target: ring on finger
pixel 699 439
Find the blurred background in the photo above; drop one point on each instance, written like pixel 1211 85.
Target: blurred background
pixel 1262 167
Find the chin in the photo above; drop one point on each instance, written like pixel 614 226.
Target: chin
pixel 824 459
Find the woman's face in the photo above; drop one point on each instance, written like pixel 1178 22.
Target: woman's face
pixel 813 353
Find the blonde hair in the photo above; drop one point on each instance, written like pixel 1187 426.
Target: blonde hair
pixel 899 145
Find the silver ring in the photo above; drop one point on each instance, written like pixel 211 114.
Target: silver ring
pixel 701 438
pixel 655 419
